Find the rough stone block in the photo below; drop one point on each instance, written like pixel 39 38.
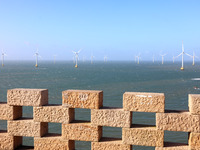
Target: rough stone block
pixel 194 103
pixel 81 131
pixel 82 99
pixel 8 142
pixel 53 143
pixel 27 97
pixel 10 112
pixel 52 113
pixel 194 140
pixel 178 121
pixel 27 127
pixel 173 146
pixel 113 117
pixel 144 102
pixel 110 144
pixel 144 136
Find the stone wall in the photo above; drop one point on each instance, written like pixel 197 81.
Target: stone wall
pixel 73 130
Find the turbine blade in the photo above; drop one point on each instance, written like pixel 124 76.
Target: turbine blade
pixel 178 55
pixel 189 55
pixel 79 51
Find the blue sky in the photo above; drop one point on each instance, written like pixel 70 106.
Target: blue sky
pixel 118 29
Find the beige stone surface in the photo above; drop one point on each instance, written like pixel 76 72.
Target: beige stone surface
pixel 53 143
pixel 8 142
pixel 194 103
pixel 173 146
pixel 110 144
pixel 10 112
pixel 178 121
pixel 144 102
pixel 27 97
pixel 194 140
pixel 82 99
pixel 144 136
pixel 113 117
pixel 53 113
pixel 27 127
pixel 81 131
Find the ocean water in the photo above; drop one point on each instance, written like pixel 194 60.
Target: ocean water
pixel 114 78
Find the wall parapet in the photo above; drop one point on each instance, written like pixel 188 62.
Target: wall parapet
pixel 72 130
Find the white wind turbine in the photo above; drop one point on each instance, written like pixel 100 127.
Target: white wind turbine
pixel 76 55
pixel 173 59
pixel 2 57
pixel 54 58
pixel 36 55
pixel 105 58
pixel 193 57
pixel 92 57
pixel 163 58
pixel 138 58
pixel 182 53
pixel 153 59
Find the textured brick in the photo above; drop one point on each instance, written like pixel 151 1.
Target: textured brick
pixel 27 97
pixel 53 143
pixel 194 103
pixel 110 144
pixel 178 121
pixel 144 136
pixel 8 142
pixel 10 112
pixel 144 102
pixel 113 117
pixel 81 131
pixel 173 146
pixel 58 114
pixel 82 99
pixel 194 140
pixel 27 127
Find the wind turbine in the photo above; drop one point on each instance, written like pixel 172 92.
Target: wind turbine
pixel 76 55
pixel 182 53
pixel 92 57
pixel 173 59
pixel 36 55
pixel 54 58
pixel 105 58
pixel 2 57
pixel 163 58
pixel 153 59
pixel 138 58
pixel 193 57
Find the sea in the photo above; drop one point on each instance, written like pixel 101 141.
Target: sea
pixel 114 78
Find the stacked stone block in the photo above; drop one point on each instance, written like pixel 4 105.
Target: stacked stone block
pixel 74 130
pixel 143 135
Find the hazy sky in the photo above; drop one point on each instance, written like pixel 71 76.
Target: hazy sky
pixel 118 29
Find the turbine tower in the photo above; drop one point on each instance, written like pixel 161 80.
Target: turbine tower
pixel 76 55
pixel 36 55
pixel 193 57
pixel 54 58
pixel 92 57
pixel 2 57
pixel 163 58
pixel 182 53
pixel 105 58
pixel 153 59
pixel 138 58
pixel 173 59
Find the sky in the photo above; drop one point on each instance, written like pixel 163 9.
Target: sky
pixel 118 29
